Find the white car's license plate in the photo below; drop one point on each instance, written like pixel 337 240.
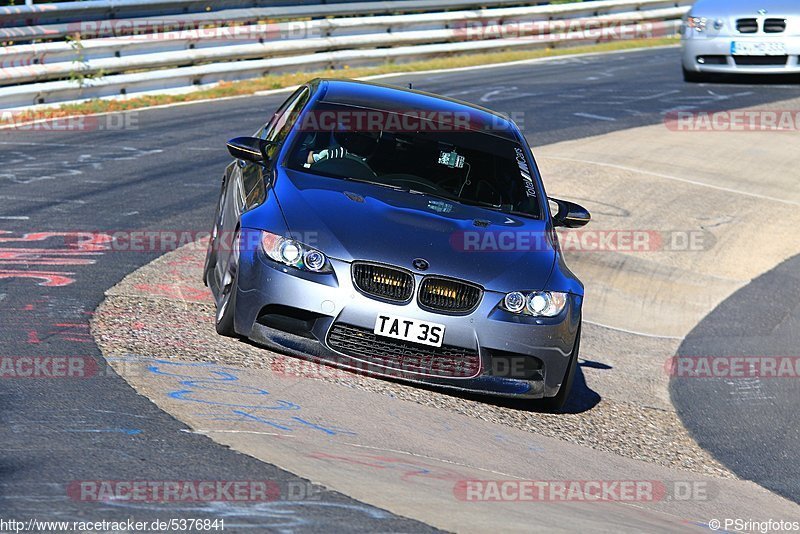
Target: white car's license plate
pixel 409 330
pixel 742 48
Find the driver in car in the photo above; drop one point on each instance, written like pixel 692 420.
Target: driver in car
pixel 326 153
pixel 353 145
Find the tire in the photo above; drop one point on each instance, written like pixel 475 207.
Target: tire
pixel 556 404
pixel 226 306
pixel 693 77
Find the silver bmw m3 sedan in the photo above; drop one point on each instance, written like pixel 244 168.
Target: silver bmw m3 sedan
pixel 399 234
pixel 741 37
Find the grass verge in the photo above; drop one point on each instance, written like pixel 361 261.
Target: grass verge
pixel 278 81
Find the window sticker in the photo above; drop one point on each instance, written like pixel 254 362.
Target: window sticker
pixel 525 172
pixel 451 159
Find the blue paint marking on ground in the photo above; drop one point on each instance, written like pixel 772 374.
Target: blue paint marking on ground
pixel 200 382
pixel 128 431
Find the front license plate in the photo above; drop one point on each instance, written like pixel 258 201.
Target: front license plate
pixel 740 48
pixel 409 330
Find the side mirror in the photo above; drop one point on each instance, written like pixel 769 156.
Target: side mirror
pixel 570 215
pixel 248 149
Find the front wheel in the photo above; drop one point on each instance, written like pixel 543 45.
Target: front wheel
pixel 557 403
pixel 226 305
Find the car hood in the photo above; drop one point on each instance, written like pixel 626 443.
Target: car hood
pixel 350 220
pixel 744 8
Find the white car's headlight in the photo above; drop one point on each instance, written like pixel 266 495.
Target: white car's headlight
pixel 536 303
pixel 294 253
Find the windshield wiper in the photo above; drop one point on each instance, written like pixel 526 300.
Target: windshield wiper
pixel 478 203
pixel 466 201
pixel 382 184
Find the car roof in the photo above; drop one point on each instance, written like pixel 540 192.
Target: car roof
pixel 399 100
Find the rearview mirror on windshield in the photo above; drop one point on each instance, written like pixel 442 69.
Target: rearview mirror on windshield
pixel 570 215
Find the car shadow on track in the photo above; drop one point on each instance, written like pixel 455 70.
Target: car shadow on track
pixel 582 398
pixel 753 79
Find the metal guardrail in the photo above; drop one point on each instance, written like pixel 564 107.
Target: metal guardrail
pixel 25 63
pixel 64 12
pixel 44 30
pixel 183 59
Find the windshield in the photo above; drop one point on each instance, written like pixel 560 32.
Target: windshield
pixel 419 156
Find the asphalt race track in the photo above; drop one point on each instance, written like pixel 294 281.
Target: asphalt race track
pixel 163 171
pixel 748 424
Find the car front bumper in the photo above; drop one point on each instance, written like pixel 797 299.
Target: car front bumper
pixel 719 48
pixel 296 312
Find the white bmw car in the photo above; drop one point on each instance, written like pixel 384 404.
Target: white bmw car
pixel 741 37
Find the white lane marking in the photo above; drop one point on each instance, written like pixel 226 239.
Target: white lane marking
pixel 53 200
pixel 647 97
pixel 504 93
pixel 28 143
pixel 14 217
pixel 677 179
pixel 678 108
pixel 713 97
pixel 213 431
pixel 633 332
pixel 596 117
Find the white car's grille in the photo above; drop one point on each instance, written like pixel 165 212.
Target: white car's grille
pixel 747 25
pixel 774 25
pixel 751 25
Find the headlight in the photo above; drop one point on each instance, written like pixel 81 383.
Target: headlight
pixel 514 302
pixel 536 303
pixel 698 23
pixel 293 253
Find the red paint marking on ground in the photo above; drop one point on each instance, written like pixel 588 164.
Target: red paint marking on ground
pixel 48 279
